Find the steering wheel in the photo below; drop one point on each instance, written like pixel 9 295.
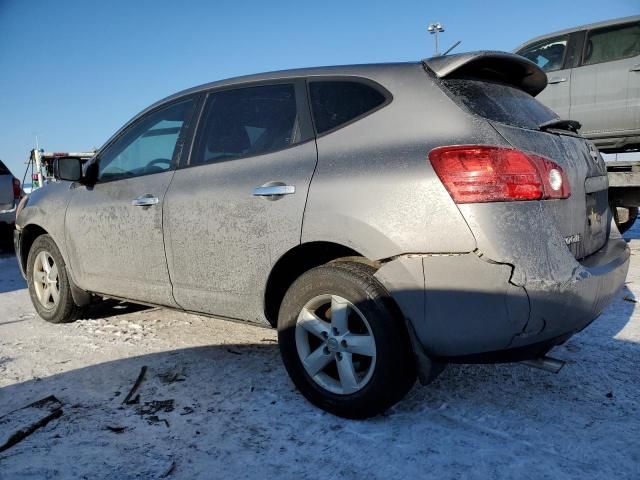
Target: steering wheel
pixel 155 162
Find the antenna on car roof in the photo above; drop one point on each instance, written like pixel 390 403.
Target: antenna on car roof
pixel 452 47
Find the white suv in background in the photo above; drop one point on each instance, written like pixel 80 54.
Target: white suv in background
pixel 594 78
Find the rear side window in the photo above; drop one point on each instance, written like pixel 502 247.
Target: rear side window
pixel 548 54
pixel 335 102
pixel 3 169
pixel 247 121
pixel 501 103
pixel 607 45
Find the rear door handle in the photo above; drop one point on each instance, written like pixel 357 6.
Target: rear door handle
pixel 145 201
pixel 553 80
pixel 274 190
pixel 635 68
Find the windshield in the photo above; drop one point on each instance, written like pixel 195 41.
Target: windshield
pixel 500 103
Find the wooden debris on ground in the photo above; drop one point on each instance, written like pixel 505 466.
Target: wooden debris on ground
pixel 17 425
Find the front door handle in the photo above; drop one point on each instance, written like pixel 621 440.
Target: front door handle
pixel 145 201
pixel 635 68
pixel 274 190
pixel 553 80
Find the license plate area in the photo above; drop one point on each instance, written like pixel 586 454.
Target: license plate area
pixel 597 222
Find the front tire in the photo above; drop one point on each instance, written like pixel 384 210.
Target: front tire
pixel 344 342
pixel 49 282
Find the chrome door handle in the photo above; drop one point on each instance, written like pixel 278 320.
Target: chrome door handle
pixel 144 201
pixel 274 191
pixel 553 80
pixel 635 68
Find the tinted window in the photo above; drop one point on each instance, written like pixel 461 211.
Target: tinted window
pixel 606 45
pixel 247 121
pixel 337 102
pixel 501 103
pixel 148 146
pixel 3 169
pixel 548 55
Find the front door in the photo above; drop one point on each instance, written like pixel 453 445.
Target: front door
pixel 238 205
pixel 114 228
pixel 550 56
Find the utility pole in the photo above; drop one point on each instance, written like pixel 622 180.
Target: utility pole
pixel 435 29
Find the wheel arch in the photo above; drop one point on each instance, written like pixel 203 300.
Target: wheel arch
pixel 28 235
pixel 298 260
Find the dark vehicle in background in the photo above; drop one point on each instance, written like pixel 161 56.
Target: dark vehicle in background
pixel 594 78
pixel 386 219
pixel 10 193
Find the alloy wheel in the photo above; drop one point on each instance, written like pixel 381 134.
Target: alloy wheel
pixel 335 344
pixel 46 281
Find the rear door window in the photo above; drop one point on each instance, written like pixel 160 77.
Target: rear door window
pixel 548 54
pixel 612 43
pixel 247 121
pixel 335 102
pixel 499 102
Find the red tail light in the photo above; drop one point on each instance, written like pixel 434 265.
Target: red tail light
pixel 17 191
pixel 481 173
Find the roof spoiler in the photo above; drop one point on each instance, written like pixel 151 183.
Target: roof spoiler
pixel 501 66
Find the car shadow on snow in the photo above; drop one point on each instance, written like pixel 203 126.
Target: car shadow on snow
pixel 231 409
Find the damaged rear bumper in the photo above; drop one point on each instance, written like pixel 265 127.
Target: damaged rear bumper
pixel 465 308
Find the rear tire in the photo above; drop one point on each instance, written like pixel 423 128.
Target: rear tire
pixel 357 355
pixel 49 282
pixel 625 219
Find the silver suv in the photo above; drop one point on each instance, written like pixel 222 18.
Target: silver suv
pixel 386 219
pixel 594 78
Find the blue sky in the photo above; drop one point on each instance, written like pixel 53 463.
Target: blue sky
pixel 75 71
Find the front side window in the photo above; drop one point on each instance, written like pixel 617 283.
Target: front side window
pixel 148 146
pixel 609 44
pixel 247 121
pixel 548 55
pixel 336 102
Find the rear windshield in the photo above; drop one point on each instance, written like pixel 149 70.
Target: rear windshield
pixel 3 169
pixel 501 103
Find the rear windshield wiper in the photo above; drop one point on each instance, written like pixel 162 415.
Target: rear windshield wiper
pixel 559 124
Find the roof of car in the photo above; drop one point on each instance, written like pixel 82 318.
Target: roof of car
pixel 589 26
pixel 339 70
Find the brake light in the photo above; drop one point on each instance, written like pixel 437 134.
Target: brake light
pixel 17 190
pixel 482 173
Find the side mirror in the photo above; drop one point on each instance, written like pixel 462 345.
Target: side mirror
pixel 68 168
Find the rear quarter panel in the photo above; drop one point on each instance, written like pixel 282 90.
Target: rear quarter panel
pixel 374 189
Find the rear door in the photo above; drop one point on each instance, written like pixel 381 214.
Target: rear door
pixel 237 206
pixel 6 188
pixel 604 94
pixel 114 228
pixel 551 55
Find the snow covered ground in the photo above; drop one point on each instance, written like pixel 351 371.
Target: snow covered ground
pixel 217 403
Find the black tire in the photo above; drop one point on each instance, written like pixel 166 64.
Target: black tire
pixel 64 310
pixel 630 218
pixel 394 372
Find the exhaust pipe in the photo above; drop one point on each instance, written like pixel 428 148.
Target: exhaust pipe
pixel 549 364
